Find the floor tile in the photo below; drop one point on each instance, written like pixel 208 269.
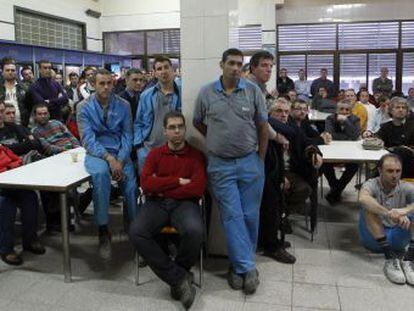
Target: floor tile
pixel 360 299
pixel 278 293
pixel 315 296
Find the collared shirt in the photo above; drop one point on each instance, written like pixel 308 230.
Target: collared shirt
pixel 379 117
pixel 399 197
pixel 11 98
pixel 302 87
pixel 230 119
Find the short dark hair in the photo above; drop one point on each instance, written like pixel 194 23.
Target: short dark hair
pixel 382 99
pixel 132 71
pixel 161 59
pixel 100 71
pixel 43 61
pixel 26 67
pixel 300 101
pixel 73 74
pixel 40 105
pixel 7 61
pixel 255 60
pixel 231 51
pixel 87 68
pixel 171 115
pixel 388 156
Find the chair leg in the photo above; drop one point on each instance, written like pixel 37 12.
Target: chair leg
pixel 201 272
pixel 136 268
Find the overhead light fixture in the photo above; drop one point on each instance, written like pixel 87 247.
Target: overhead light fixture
pixel 93 13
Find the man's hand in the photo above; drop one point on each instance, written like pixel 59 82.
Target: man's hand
pixel 404 223
pixel 341 117
pixel 282 140
pixel 274 93
pixel 366 134
pixel 116 169
pixel 183 181
pixel 327 138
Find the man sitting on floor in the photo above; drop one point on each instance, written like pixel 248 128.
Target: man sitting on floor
pixel 342 125
pixel 173 180
pixel 28 204
pixel 385 223
pixel 106 125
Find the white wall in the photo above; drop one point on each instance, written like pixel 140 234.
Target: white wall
pixel 73 9
pixel 316 11
pixel 122 15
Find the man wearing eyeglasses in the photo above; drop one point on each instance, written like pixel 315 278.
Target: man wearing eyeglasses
pixel 173 180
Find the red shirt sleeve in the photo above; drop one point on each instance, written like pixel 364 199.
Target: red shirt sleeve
pixel 150 182
pixel 197 186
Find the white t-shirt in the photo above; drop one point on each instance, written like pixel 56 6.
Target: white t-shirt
pixel 11 98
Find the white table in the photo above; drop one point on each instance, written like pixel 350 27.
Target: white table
pixel 58 174
pixel 349 152
pixel 315 115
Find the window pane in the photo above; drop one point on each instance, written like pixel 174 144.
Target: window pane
pixel 407 34
pixel 316 63
pixel 292 63
pixel 307 37
pixel 408 72
pixel 246 37
pixel 124 43
pixel 353 72
pixel 376 62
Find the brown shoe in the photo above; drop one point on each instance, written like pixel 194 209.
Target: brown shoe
pixel 12 258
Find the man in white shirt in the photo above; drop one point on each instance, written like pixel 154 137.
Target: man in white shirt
pixel 302 86
pixel 364 99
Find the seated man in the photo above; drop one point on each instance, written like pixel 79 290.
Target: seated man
pixel 386 219
pixel 358 109
pixel 107 137
pixel 300 158
pixel 173 180
pixel 342 125
pixel 398 134
pixel 28 204
pixel 321 102
pixel 380 116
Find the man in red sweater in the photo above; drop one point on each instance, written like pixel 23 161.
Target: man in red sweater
pixel 173 180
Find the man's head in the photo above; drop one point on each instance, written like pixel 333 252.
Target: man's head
pixel 174 128
pixel 74 79
pixel 283 73
pixel 89 71
pixel 280 110
pixel 45 69
pixel 323 93
pixel 376 95
pixel 344 107
pixel 9 113
pixel 384 102
pixel 324 73
pixel 300 109
pixel 102 81
pixel 292 96
pixel 389 168
pixel 135 80
pixel 411 92
pixel 301 74
pixel 384 72
pixel 41 114
pixel 364 96
pixel 27 74
pixel 163 70
pixel 398 108
pixel 231 64
pixel 59 78
pixel 261 65
pixel 351 96
pixel 9 69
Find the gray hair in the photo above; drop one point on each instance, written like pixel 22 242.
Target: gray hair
pixel 397 100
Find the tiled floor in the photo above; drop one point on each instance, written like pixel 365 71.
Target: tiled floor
pixel 332 273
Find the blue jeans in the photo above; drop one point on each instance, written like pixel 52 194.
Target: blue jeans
pixel 397 237
pixel 142 154
pixel 28 204
pixel 237 185
pixel 101 180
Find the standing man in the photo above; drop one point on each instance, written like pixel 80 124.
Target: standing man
pixel 302 85
pixel 107 138
pixel 383 84
pixel 14 93
pixel 386 219
pixel 323 81
pixel 284 83
pixel 154 104
pixel 44 90
pixel 134 84
pixel 225 109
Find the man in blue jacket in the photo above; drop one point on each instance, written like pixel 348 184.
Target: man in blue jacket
pixel 154 104
pixel 107 137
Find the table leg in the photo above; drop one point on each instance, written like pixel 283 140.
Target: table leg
pixel 65 237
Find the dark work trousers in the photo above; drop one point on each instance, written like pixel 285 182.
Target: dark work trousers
pixel 338 185
pixel 185 217
pixel 10 200
pixel 51 207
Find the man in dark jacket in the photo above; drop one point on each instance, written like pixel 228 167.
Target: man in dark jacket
pixel 44 90
pixel 135 81
pixel 284 83
pixel 342 125
pixel 14 93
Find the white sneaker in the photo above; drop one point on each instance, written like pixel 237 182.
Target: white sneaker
pixel 393 271
pixel 408 268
